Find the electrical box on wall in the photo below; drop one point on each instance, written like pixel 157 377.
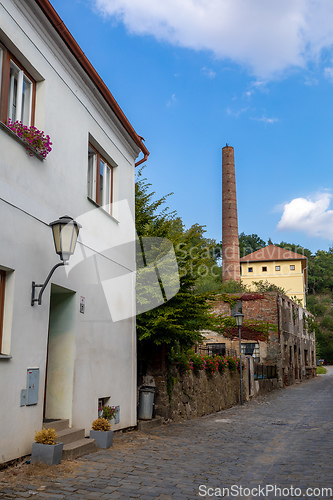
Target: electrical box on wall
pixel 32 386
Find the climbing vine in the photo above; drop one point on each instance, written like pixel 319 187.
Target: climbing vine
pixel 256 330
pixel 251 329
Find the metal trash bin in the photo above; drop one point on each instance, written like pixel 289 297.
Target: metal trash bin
pixel 146 402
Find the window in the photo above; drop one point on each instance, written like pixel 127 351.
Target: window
pixel 264 269
pixel 18 90
pixel 252 350
pixel 20 95
pixel 277 268
pixel 250 269
pixel 236 308
pixel 2 302
pixel 100 179
pixel 216 349
pixel 292 268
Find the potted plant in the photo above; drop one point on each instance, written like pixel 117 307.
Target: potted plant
pixel 45 448
pixel 108 412
pixel 102 433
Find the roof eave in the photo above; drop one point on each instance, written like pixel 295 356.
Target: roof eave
pixel 82 59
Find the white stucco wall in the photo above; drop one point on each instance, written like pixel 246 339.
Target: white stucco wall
pixel 35 192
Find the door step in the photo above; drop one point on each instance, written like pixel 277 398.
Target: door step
pixel 75 444
pixel 79 448
pixel 58 424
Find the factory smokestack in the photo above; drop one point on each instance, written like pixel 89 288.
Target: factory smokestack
pixel 230 242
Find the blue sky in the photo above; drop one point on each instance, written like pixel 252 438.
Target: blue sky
pixel 193 75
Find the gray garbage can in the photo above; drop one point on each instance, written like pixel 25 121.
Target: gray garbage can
pixel 146 402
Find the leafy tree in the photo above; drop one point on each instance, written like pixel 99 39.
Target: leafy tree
pixel 321 272
pixel 179 320
pixel 249 243
pixel 263 286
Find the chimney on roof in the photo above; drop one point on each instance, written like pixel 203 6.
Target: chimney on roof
pixel 230 241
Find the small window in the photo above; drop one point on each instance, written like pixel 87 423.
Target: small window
pixel 20 95
pixel 277 268
pixel 253 350
pixel 100 179
pixel 250 269
pixel 292 268
pixel 218 349
pixel 17 91
pixel 2 303
pixel 236 308
pixel 264 269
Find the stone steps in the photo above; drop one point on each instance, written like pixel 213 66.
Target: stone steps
pixel 58 425
pixel 75 443
pixel 78 448
pixel 70 435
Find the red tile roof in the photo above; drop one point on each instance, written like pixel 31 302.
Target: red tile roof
pixel 73 46
pixel 271 253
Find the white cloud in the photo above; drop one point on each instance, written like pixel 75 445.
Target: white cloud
pixel 208 72
pixel 237 113
pixel 267 36
pixel 267 120
pixel 172 101
pixel 328 72
pixel 310 216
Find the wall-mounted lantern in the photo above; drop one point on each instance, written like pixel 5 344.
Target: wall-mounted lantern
pixel 65 232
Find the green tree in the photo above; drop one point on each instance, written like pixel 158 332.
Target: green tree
pixel 249 243
pixel 178 321
pixel 321 272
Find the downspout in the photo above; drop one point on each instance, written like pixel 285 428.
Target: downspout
pixel 141 161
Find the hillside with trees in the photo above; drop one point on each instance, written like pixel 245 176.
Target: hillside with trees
pixel 176 323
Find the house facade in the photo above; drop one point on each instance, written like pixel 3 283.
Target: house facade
pixel 77 350
pixel 290 345
pixel 280 267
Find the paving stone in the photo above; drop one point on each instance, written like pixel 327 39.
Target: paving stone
pixel 284 438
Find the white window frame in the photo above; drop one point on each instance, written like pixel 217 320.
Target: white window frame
pixel 21 107
pixel 99 170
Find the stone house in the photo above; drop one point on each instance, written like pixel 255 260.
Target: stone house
pixel 291 342
pixel 77 350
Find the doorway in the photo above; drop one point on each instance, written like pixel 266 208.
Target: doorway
pixel 60 355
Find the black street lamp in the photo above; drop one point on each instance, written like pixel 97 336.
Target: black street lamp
pixel 239 322
pixel 65 232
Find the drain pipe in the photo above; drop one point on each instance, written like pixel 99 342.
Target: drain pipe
pixel 142 161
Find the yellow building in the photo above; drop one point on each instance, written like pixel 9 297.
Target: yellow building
pixel 280 267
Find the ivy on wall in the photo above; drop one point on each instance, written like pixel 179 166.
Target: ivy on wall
pixel 255 330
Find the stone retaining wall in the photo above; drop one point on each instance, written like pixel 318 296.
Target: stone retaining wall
pixel 194 394
pixel 266 385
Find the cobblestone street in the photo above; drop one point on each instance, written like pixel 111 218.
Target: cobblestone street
pixel 281 440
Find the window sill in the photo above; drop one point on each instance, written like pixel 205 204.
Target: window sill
pixel 21 141
pixel 5 356
pixel 102 209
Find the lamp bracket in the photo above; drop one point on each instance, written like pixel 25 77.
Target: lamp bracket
pixel 44 285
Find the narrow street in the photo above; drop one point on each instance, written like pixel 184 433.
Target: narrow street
pixel 276 446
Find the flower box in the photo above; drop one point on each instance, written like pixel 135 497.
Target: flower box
pixel 104 439
pixel 50 454
pixel 34 140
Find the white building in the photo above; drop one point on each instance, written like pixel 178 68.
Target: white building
pixel 81 340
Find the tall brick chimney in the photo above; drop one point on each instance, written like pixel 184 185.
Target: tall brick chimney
pixel 230 242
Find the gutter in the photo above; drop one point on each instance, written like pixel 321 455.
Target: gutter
pixel 82 59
